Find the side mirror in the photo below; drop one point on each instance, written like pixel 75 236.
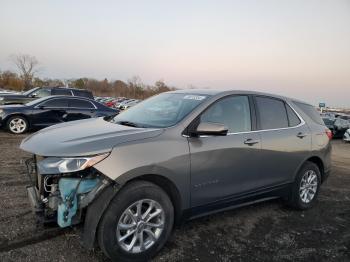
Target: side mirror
pixel 211 129
pixel 33 95
pixel 41 107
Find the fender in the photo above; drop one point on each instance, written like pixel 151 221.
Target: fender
pixel 94 213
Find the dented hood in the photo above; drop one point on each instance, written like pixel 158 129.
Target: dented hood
pixel 83 138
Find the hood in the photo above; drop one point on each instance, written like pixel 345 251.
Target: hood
pixel 11 96
pixel 11 106
pixel 83 138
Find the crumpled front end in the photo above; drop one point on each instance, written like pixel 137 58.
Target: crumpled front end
pixel 62 197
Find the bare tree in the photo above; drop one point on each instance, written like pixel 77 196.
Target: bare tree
pixel 27 67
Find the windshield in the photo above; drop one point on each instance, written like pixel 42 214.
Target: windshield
pixel 30 91
pixel 163 110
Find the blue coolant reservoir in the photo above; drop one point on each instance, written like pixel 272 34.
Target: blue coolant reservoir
pixel 70 188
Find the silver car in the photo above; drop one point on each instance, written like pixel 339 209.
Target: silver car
pixel 132 177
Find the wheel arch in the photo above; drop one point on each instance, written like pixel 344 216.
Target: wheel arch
pixel 18 114
pixel 99 205
pixel 317 161
pixel 170 189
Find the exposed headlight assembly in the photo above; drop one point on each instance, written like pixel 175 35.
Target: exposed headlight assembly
pixel 56 165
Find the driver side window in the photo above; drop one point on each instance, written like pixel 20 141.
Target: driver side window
pixel 232 111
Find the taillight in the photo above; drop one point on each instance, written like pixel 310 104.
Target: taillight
pixel 329 134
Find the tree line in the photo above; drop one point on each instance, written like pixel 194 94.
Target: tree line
pixel 26 78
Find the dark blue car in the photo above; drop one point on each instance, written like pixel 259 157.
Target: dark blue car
pixel 49 111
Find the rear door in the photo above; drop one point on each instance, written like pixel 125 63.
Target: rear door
pixel 80 109
pixel 285 140
pixel 223 166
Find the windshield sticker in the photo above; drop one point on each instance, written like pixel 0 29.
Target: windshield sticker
pixel 193 97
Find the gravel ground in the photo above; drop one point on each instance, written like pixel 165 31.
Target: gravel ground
pixel 262 232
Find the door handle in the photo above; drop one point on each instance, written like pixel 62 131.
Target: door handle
pixel 301 135
pixel 250 142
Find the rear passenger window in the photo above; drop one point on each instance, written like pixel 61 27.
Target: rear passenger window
pixel 272 113
pixel 233 112
pixel 292 117
pixel 77 103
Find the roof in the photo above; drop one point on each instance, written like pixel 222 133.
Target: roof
pixel 214 92
pixel 64 87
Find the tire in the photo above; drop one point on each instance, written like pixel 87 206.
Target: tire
pixel 113 224
pixel 297 199
pixel 17 125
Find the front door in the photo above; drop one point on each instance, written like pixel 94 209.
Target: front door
pixel 50 112
pixel 224 166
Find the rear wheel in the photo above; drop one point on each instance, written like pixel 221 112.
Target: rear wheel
pixel 17 125
pixel 306 187
pixel 137 223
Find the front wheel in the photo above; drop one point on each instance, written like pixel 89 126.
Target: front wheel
pixel 17 125
pixel 306 187
pixel 137 223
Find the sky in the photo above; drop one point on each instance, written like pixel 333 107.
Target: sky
pixel 296 48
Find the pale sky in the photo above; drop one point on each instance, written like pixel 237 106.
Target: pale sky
pixel 298 48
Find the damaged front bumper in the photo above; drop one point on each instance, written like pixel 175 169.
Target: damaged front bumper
pixel 62 198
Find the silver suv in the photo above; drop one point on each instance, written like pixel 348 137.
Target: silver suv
pixel 175 156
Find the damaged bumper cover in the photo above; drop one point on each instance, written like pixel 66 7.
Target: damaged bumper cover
pixel 62 197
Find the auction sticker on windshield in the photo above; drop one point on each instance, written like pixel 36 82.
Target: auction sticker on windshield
pixel 193 97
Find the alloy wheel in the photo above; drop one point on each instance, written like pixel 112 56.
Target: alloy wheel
pixel 17 125
pixel 308 186
pixel 140 226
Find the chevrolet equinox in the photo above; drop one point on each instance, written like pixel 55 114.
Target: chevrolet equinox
pixel 178 155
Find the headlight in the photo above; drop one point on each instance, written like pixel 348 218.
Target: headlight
pixel 1 98
pixel 55 165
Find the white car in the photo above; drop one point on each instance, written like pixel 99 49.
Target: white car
pixel 346 136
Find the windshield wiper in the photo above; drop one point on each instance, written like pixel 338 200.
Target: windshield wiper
pixel 128 123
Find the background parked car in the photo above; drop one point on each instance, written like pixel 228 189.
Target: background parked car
pixel 111 102
pixel 329 122
pixel 48 111
pixel 39 92
pixel 346 136
pixel 6 92
pixel 122 105
pixel 129 104
pixel 340 126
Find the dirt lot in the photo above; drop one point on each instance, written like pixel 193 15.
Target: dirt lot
pixel 263 232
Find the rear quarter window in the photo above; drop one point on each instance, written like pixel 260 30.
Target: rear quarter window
pixel 311 112
pixel 292 117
